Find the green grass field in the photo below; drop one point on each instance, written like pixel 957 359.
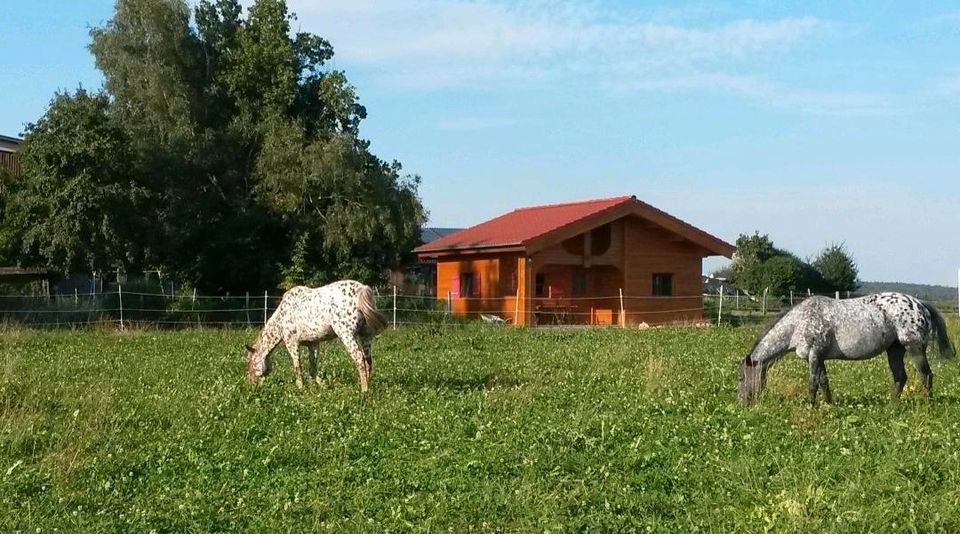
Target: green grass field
pixel 465 429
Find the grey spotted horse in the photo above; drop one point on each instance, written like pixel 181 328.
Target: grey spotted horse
pixel 821 329
pixel 344 309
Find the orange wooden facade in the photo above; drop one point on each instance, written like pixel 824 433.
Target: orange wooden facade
pixel 575 275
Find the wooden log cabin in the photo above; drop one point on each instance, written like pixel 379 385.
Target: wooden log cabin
pixel 568 263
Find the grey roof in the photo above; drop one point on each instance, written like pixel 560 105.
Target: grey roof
pixel 10 144
pixel 428 234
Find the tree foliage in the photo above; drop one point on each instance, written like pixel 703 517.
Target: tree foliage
pixel 78 206
pixel 837 267
pixel 223 148
pixel 759 265
pixel 747 268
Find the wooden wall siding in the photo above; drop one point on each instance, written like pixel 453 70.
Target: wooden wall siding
pixel 560 255
pixel 495 276
pixel 11 162
pixel 604 280
pixel 651 250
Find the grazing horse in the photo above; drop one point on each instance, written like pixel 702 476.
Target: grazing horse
pixel 344 309
pixel 821 329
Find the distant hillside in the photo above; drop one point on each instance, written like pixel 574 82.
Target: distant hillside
pixel 921 291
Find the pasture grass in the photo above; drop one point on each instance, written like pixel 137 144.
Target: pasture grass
pixel 465 429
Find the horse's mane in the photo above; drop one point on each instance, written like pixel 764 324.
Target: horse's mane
pixel 767 328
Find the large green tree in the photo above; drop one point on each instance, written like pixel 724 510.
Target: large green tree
pixel 837 267
pixel 77 206
pixel 758 265
pixel 244 148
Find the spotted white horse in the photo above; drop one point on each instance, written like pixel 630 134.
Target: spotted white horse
pixel 821 329
pixel 345 309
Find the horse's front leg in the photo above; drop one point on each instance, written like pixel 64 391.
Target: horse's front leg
pixel 293 347
pixel 314 348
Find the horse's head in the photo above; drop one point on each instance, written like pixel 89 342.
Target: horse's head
pixel 257 365
pixel 751 379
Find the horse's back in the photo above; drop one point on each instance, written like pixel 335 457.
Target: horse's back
pixel 907 314
pixel 842 329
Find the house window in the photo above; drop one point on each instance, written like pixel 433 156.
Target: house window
pixel 540 286
pixel 579 283
pixel 662 284
pixel 468 285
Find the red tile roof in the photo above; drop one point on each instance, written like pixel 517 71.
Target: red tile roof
pixel 530 226
pixel 523 224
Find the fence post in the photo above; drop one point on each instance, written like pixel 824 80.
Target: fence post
pixel 720 307
pixel 449 302
pixel 738 299
pixel 246 305
pixel 838 295
pixel 120 295
pixel 394 307
pixel 623 317
pixel 516 309
pixel 764 305
pixel 264 306
pixel 791 298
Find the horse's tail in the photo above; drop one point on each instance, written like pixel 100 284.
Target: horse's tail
pixel 940 329
pixel 368 308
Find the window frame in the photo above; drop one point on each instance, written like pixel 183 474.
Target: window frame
pixel 657 286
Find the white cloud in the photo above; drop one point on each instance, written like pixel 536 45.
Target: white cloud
pixel 814 102
pixel 443 44
pixel 469 124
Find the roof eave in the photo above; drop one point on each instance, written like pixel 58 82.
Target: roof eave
pixel 469 249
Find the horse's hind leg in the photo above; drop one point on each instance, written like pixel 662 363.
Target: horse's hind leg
pixel 919 356
pixel 895 360
pixel 814 365
pixel 824 382
pixel 355 349
pixel 367 356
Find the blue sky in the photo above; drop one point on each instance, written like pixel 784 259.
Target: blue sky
pixel 813 122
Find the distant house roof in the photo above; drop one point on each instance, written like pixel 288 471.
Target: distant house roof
pixel 21 271
pixel 527 229
pixel 430 233
pixel 10 144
